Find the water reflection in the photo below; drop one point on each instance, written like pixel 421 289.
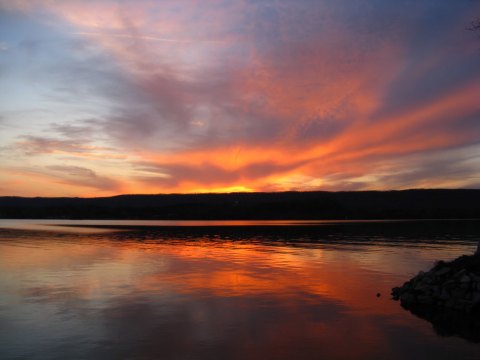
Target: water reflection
pixel 448 322
pixel 203 293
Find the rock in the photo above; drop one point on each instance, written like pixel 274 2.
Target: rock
pixel 475 278
pixel 407 299
pixel 396 292
pixel 444 295
pixel 425 299
pixel 476 297
pixel 464 286
pixel 452 285
pixel 459 274
pixel 450 303
pixel 442 271
pixel 422 287
pixel 458 293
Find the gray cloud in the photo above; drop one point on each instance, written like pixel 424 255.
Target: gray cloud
pixel 33 145
pixel 84 129
pixel 83 177
pixel 445 166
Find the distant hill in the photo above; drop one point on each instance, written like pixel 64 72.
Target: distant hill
pixel 405 204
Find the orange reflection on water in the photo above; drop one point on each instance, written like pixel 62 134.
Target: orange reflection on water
pixel 150 295
pixel 258 270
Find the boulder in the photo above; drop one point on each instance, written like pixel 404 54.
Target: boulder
pixel 453 285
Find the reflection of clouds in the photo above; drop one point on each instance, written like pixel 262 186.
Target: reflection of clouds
pixel 254 326
pixel 49 293
pixel 220 268
pixel 148 295
pixel 448 322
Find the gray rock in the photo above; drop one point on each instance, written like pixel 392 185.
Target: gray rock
pixel 407 299
pixel 425 300
pixel 422 287
pixel 475 278
pixel 458 293
pixel 450 303
pixel 444 295
pixel 396 292
pixel 476 297
pixel 459 273
pixel 444 287
pixel 442 271
pixel 464 286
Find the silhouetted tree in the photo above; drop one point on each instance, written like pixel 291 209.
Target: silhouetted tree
pixel 474 25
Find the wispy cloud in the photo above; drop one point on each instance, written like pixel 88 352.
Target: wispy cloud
pixel 83 177
pixel 36 145
pixel 144 37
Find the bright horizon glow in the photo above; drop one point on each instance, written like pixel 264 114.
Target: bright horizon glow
pixel 103 98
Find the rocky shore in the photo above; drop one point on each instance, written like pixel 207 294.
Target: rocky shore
pixel 451 285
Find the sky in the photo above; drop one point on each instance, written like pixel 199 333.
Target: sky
pixel 100 98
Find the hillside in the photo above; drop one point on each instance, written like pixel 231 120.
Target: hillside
pixel 407 204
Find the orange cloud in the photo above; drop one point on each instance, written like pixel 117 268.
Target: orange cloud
pixel 237 96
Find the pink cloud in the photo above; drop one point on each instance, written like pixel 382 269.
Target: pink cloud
pixel 287 94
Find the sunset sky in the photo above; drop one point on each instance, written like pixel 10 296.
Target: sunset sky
pixel 107 97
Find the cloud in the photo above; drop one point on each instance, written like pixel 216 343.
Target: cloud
pixel 83 177
pixel 449 168
pixel 36 145
pixel 175 175
pixel 82 129
pixel 58 179
pixel 265 95
pixel 80 138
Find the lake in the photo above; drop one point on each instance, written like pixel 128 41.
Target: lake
pixel 224 289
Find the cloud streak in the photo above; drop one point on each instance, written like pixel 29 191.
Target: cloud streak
pixel 148 38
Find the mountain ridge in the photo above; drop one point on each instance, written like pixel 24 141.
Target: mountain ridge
pixel 372 204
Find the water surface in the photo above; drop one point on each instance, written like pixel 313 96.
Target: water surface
pixel 222 290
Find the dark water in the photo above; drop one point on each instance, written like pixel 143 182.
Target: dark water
pixel 224 290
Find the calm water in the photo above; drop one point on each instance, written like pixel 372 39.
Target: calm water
pixel 222 290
